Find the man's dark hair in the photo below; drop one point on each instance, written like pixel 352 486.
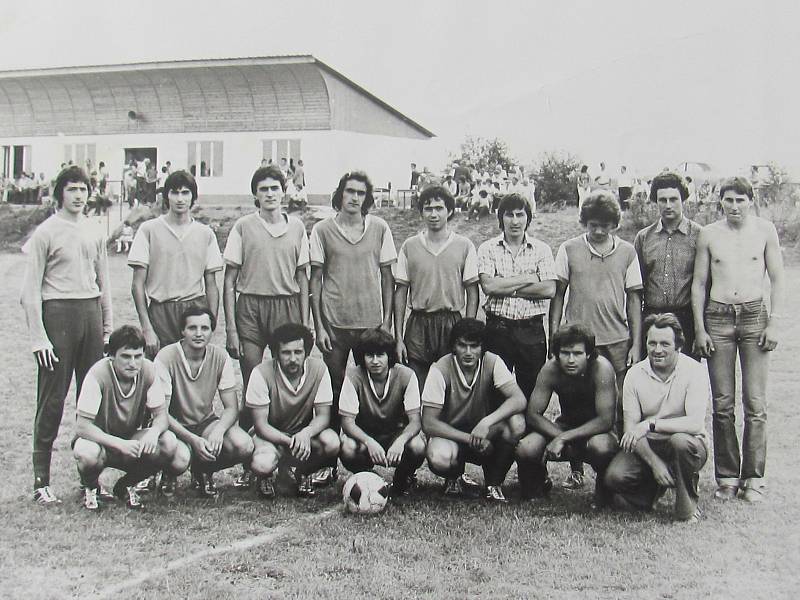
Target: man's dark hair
pixel 374 341
pixel 511 202
pixel 738 185
pixel 437 192
pixel 576 333
pixel 73 174
pixel 290 332
pixel 664 321
pixel 262 173
pixel 369 200
pixel 178 180
pixel 127 336
pixel 196 311
pixel 664 181
pixel 469 330
pixel 600 206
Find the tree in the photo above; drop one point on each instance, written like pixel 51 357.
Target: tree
pixel 483 154
pixel 554 173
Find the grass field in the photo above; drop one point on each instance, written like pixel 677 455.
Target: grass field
pixel 423 548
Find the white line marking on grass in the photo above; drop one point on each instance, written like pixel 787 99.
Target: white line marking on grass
pixel 237 546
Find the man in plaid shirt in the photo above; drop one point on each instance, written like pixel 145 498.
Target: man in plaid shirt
pixel 517 274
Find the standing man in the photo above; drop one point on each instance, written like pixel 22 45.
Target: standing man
pixel 380 411
pixel 299 176
pixel 736 253
pixel 67 301
pixel 414 176
pixel 584 431
pixel 518 276
pixel 351 279
pixel 291 397
pixel 439 267
pixel 175 260
pixel 266 263
pixel 191 372
pixel 112 415
pixel 472 413
pixel 666 251
pixel 665 400
pixel 624 187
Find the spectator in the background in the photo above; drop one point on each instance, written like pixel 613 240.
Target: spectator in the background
pixel 692 198
pixel 125 238
pixel 624 187
pixel 299 177
pixel 285 168
pixel 414 176
pixel 450 185
pixel 602 180
pixel 584 185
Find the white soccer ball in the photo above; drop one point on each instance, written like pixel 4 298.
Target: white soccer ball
pixel 365 493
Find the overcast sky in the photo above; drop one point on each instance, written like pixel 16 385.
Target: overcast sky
pixel 714 82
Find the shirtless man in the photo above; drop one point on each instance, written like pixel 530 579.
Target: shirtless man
pixel 735 253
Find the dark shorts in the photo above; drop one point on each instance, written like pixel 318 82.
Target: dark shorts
pixel 427 335
pixel 258 316
pixel 201 427
pixel 468 455
pixel 617 355
pixel 166 317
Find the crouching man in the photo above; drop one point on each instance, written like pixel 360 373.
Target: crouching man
pixel 472 413
pixel 191 372
pixel 113 406
pixel 665 399
pixel 380 410
pixel 586 388
pixel 291 398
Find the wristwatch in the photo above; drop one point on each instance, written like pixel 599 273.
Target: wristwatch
pixel 652 425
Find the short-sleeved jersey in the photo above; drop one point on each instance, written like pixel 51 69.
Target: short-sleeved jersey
pixel 437 279
pixel 267 256
pixel 290 408
pixel 385 414
pixel 465 403
pixel 351 280
pixel 175 263
pixel 117 413
pixel 191 397
pixel 597 286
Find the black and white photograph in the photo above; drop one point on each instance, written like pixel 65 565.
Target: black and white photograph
pixel 443 300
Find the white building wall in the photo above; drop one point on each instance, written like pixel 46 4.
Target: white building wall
pixel 326 156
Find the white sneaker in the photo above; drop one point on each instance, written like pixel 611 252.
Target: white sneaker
pixel 90 498
pixel 573 481
pixel 45 496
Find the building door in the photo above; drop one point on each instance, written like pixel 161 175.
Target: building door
pixel 139 154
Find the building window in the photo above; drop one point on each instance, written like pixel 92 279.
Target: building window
pixel 83 155
pixel 15 160
pixel 275 150
pixel 205 159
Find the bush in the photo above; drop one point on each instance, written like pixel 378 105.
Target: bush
pixel 554 174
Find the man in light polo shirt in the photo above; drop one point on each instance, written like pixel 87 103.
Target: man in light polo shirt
pixel 175 260
pixel 601 272
pixel 266 263
pixel 439 268
pixel 352 285
pixel 665 400
pixel 191 372
pixel 472 413
pixel 517 275
pixel 380 411
pixel 67 301
pixel 291 397
pixel 119 395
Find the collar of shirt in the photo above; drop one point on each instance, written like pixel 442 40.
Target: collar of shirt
pixel 614 246
pixel 385 387
pixel 289 383
pixel 423 236
pixel 648 369
pixel 461 373
pixel 274 229
pixel 186 365
pixel 367 221
pixel 116 381
pixel 683 226
pixel 175 233
pixel 526 241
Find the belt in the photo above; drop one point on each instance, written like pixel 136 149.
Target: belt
pixel 512 323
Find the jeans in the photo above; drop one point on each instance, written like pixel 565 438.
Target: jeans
pixel 736 328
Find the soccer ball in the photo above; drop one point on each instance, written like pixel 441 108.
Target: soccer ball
pixel 365 493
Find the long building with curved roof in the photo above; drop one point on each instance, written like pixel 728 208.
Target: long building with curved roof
pixel 218 117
